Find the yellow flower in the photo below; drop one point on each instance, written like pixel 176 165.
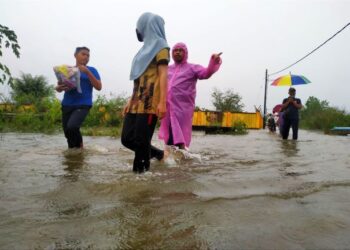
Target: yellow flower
pixel 102 109
pixel 107 117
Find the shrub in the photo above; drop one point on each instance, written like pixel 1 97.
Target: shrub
pixel 319 115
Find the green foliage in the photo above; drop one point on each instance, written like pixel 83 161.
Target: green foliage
pixel 319 115
pixel 104 118
pixel 30 89
pixel 197 108
pixel 106 111
pixel 9 39
pixel 35 109
pixel 227 101
pixel 46 117
pixel 31 121
pixel 4 99
pixel 240 128
pixel 51 110
pixel 101 131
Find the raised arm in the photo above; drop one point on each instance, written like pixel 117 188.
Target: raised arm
pixel 285 104
pixel 214 65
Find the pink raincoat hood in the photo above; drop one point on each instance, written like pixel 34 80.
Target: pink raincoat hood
pixel 180 46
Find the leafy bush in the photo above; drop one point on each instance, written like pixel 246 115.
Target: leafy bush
pixel 46 116
pixel 106 112
pixel 319 115
pixel 240 127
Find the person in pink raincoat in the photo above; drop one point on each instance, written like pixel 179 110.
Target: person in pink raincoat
pixel 176 126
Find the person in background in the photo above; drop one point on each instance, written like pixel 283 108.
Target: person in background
pixel 290 109
pixel 271 124
pixel 75 105
pixel 280 121
pixel 149 72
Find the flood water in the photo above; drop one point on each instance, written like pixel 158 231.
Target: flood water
pixel 232 192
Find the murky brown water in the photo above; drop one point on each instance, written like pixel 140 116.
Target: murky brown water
pixel 234 192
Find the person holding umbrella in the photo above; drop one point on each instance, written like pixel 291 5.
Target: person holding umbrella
pixel 291 105
pixel 290 109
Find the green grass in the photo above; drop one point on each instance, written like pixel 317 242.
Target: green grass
pixel 101 131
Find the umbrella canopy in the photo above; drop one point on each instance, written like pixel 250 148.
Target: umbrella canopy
pixel 290 80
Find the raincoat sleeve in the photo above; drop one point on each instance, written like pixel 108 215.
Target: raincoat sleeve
pixel 204 73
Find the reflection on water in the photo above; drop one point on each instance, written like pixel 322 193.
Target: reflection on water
pixel 231 192
pixel 73 159
pixel 289 147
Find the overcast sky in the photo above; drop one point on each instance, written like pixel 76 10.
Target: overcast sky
pixel 253 35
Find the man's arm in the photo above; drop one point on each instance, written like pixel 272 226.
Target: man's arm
pixel 97 84
pixel 214 65
pixel 285 104
pixel 297 104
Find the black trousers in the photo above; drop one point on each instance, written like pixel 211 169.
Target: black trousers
pixel 137 134
pixel 171 139
pixel 72 119
pixel 287 123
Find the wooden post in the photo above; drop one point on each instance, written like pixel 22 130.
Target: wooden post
pixel 265 96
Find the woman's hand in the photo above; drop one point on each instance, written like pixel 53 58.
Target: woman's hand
pixel 126 108
pixel 161 110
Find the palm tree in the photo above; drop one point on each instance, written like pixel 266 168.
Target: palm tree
pixel 30 89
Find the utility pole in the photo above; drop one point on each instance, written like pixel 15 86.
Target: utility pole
pixel 266 81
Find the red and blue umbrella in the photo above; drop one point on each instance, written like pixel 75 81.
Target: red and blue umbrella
pixel 290 80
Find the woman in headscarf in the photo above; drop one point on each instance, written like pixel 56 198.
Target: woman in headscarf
pixel 148 101
pixel 176 127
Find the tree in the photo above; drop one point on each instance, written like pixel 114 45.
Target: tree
pixel 315 104
pixel 318 114
pixel 30 89
pixel 227 101
pixel 9 38
pixel 4 99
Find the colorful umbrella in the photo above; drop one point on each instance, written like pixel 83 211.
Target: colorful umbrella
pixel 290 80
